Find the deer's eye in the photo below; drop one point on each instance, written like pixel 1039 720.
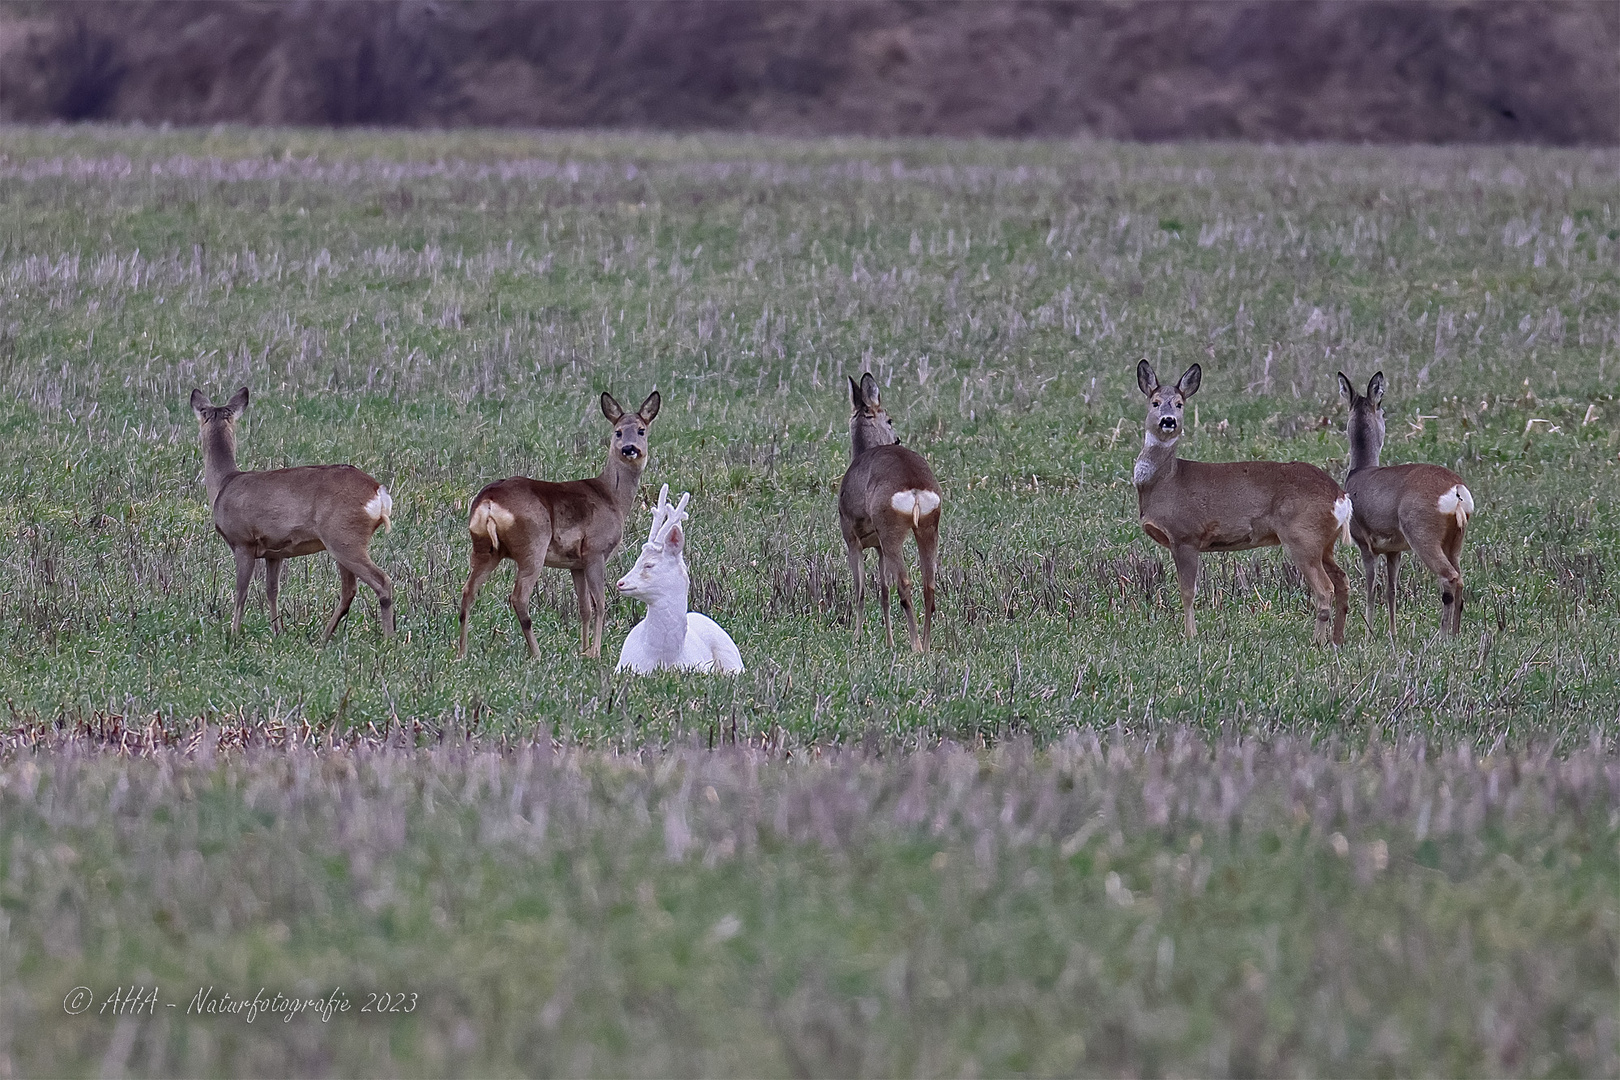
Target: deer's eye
pixel 641 431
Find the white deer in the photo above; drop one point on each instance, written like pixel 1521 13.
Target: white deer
pixel 670 636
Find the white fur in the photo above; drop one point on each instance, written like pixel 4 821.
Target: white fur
pixel 917 502
pixel 381 507
pixel 487 518
pixel 670 636
pixel 1342 510
pixel 1459 502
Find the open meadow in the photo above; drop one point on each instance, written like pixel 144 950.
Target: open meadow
pixel 1065 840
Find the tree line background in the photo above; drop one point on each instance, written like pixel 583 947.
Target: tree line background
pixel 1538 72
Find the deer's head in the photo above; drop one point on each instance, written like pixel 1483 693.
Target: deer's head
pixel 219 420
pixel 660 569
pixel 869 425
pixel 629 442
pixel 1366 410
pixel 1166 403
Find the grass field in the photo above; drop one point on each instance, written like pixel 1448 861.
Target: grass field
pixel 442 310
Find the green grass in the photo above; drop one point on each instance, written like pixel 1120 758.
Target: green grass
pixel 443 309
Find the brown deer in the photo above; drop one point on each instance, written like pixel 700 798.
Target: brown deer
pixel 573 526
pixel 1194 506
pixel 284 513
pixel 887 492
pixel 1418 508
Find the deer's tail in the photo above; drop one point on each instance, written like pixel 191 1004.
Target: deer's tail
pixel 1458 502
pixel 1342 509
pixel 381 508
pixel 488 517
pixel 917 503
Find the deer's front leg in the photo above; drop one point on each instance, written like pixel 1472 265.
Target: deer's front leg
pixel 857 583
pixel 582 597
pixel 1186 559
pixel 1392 574
pixel 272 590
pixel 1369 570
pixel 596 590
pixel 245 563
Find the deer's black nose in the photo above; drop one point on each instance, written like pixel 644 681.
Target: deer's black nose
pixel 631 452
pixel 1167 423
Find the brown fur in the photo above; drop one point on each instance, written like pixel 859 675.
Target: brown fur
pixel 574 525
pixel 881 467
pixel 1193 506
pixel 285 513
pixel 1397 509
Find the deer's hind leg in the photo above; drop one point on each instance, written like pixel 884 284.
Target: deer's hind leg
pixel 346 589
pixel 529 565
pixel 484 560
pixel 928 558
pixel 359 565
pixel 1341 594
pixel 894 569
pixel 1431 552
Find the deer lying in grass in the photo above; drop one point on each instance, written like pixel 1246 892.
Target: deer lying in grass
pixel 1194 506
pixel 670 636
pixel 573 525
pixel 1419 508
pixel 887 492
pixel 284 513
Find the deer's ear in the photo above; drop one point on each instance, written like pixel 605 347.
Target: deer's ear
pixel 869 390
pixel 1187 385
pixel 855 397
pixel 1375 388
pixel 199 402
pixel 238 402
pixel 1146 380
pixel 1346 391
pixel 610 408
pixel 675 539
pixel 649 408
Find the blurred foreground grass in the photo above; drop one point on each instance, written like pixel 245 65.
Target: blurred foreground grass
pixel 1100 907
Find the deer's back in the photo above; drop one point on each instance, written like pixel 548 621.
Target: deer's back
pixel 1384 495
pixel 295 511
pixel 1234 505
pixel 579 516
pixel 876 475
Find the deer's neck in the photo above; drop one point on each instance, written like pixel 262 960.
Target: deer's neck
pixel 219 461
pixel 666 625
pixel 621 479
pixel 861 440
pixel 1364 448
pixel 1155 464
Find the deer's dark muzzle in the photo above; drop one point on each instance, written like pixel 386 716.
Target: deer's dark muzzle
pixel 1168 424
pixel 631 452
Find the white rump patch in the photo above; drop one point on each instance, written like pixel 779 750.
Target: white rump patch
pixel 1342 509
pixel 381 507
pixel 917 503
pixel 1459 503
pixel 487 518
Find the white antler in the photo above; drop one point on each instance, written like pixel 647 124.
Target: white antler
pixel 673 516
pixel 660 513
